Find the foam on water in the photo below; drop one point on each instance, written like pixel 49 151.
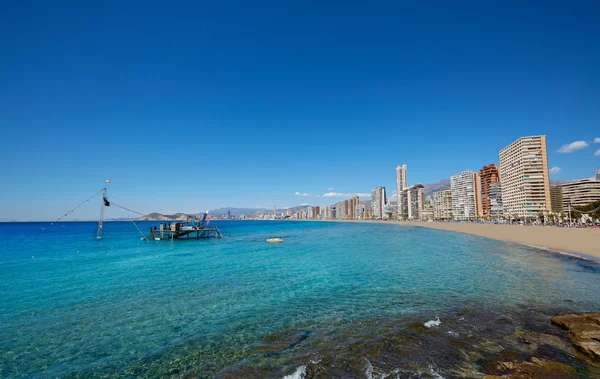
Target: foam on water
pixel 433 323
pixel 298 374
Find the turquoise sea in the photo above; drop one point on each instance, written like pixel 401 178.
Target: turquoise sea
pixel 334 300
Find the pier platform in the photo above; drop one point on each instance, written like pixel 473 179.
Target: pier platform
pixel 182 230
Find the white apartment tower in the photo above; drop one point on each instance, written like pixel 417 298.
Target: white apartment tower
pixel 524 177
pixel 378 201
pixel 463 195
pixel 401 183
pixel 442 205
pixel 416 201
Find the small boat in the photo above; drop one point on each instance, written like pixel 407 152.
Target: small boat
pixel 274 240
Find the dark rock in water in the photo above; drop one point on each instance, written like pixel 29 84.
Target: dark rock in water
pixel 539 368
pixel 280 341
pixel 584 331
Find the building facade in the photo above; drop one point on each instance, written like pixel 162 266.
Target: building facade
pixel 598 174
pixel 354 201
pixel 488 175
pixel 556 198
pixel 525 178
pixel 477 194
pixel 378 201
pixel 463 195
pixel 496 210
pixel 442 205
pixel 416 201
pixel 580 193
pixel 401 184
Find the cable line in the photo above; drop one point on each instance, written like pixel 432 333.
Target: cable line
pixel 72 210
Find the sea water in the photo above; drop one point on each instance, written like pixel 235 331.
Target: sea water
pixel 335 293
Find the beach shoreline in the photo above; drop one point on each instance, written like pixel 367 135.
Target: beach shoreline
pixel 578 242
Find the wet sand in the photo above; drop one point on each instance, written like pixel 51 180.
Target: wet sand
pixel 581 242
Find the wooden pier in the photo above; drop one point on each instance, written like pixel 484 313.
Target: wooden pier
pixel 179 230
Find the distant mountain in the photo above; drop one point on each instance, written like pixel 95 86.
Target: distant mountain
pixel 435 187
pixel 237 211
pixel 162 217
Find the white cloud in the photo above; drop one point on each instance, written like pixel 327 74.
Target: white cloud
pixel 330 189
pixel 597 140
pixel 336 194
pixel 302 194
pixel 597 153
pixel 555 170
pixel 571 147
pixel 305 204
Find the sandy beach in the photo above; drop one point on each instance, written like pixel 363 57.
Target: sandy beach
pixel 581 242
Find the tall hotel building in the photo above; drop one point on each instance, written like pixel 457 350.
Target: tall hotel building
pixel 487 176
pixel 442 205
pixel 401 184
pixel 378 201
pixel 463 195
pixel 524 177
pixel 416 201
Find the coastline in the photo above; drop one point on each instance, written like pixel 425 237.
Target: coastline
pixel 581 243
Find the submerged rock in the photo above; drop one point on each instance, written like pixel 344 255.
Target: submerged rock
pixel 536 368
pixel 584 331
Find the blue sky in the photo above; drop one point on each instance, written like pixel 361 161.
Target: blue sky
pixel 191 106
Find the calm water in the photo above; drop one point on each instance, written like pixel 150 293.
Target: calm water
pixel 241 307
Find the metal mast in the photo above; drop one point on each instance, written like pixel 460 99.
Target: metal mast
pixel 105 203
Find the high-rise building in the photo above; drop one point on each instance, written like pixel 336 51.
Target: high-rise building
pixel 598 174
pixel 401 184
pixel 487 175
pixel 360 212
pixel 403 206
pixel 316 212
pixel 340 210
pixel 495 201
pixel 442 205
pixel 580 193
pixel 556 196
pixel 309 212
pixel 378 201
pixel 477 194
pixel 354 200
pixel 524 177
pixel 463 195
pixel 416 201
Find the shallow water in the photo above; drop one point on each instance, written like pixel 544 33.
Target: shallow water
pixel 333 295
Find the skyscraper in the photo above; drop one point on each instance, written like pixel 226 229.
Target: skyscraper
pixel 442 205
pixel 598 174
pixel 378 201
pixel 524 177
pixel 487 175
pixel 463 195
pixel 401 183
pixel 416 201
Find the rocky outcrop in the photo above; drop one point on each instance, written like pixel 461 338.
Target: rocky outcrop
pixel 584 331
pixel 536 368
